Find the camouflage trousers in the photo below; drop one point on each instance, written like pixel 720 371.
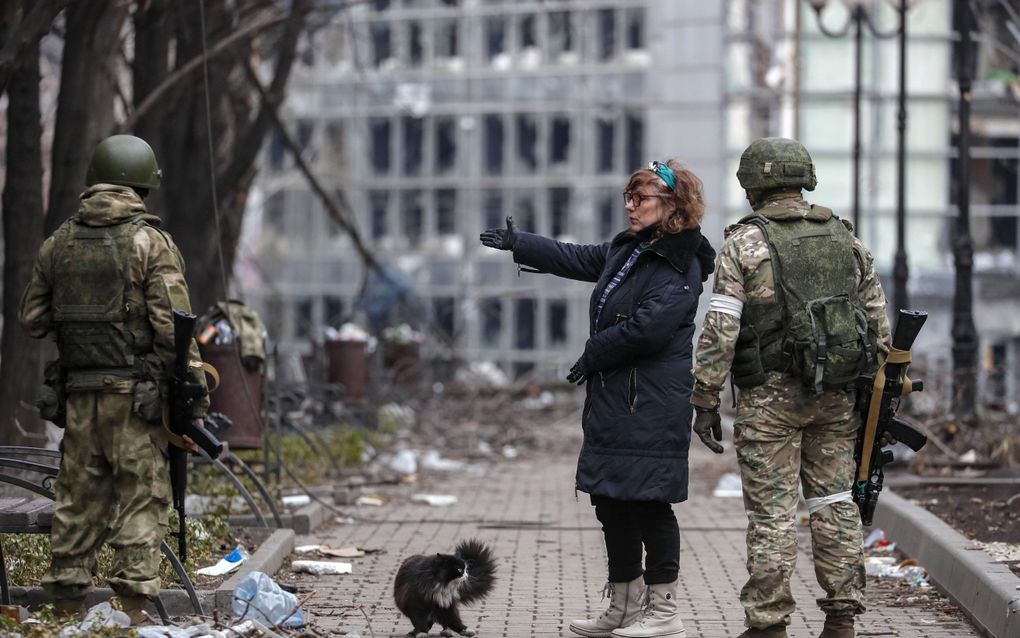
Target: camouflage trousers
pixel 785 435
pixel 113 486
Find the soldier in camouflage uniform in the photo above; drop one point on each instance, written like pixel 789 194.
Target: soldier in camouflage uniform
pixel 105 285
pixel 795 416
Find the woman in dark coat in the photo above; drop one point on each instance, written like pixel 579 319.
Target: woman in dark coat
pixel 636 367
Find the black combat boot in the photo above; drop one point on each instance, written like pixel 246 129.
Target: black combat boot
pixel 773 631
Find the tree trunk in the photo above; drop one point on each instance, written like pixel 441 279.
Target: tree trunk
pixel 85 103
pixel 237 138
pixel 22 226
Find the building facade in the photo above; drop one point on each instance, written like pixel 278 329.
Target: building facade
pixel 431 120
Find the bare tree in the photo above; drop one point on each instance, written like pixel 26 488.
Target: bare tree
pixel 22 226
pixel 85 103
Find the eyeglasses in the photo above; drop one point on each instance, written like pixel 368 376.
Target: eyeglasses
pixel 637 198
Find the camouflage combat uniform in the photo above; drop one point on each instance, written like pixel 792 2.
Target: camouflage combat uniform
pixel 114 482
pixel 784 432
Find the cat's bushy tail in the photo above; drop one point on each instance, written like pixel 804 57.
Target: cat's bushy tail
pixel 481 570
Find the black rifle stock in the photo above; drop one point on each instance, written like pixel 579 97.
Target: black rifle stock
pixel 184 392
pixel 878 398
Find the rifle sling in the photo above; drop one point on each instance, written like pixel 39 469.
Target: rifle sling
pixel 874 407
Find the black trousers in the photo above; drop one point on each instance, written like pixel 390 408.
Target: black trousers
pixel 629 527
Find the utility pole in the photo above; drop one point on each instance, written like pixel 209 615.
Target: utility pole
pixel 964 335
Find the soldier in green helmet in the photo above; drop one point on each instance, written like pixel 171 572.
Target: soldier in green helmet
pixel 797 314
pixel 104 286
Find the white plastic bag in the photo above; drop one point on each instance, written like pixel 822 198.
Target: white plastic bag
pixel 322 567
pixel 258 597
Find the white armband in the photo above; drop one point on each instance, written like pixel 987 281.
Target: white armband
pixel 726 305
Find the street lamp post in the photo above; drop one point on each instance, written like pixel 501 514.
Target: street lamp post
pixel 860 19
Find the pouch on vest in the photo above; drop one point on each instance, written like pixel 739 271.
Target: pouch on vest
pixel 836 351
pixel 52 400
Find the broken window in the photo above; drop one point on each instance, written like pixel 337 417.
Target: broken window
pixel 303 310
pixel 559 211
pixel 275 211
pixel 524 324
pixel 446 144
pixel 635 141
pixel 606 34
pixel 526 31
pixel 442 315
pixel 335 151
pixel 381 5
pixel 994 180
pixel 559 141
pixel 527 142
pixel 492 140
pixel 379 140
pixel 605 136
pixel 415 50
pixel 557 321
pixel 524 211
pixel 447 44
pixel 492 204
pixel 379 206
pixel 492 320
pixel 412 216
pixel 635 28
pixel 446 211
pixel 277 151
pixel 607 208
pixel 561 35
pixel 495 36
pixel 413 137
pixel 333 309
pixel 382 45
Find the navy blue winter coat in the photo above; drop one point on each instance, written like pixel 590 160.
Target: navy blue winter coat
pixel 637 412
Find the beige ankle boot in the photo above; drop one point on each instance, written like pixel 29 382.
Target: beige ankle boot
pixel 661 616
pixel 838 627
pixel 624 607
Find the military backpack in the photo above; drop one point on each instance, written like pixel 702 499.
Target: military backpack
pixel 816 329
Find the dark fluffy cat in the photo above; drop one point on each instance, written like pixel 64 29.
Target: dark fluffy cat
pixel 428 589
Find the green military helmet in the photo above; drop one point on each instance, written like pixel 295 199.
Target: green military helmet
pixel 126 160
pixel 776 162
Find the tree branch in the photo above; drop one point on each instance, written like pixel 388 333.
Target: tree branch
pixel 28 33
pixel 195 64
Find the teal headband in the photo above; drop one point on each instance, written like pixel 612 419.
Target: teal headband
pixel 665 172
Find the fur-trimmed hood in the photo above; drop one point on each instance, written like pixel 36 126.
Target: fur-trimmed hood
pixel 679 249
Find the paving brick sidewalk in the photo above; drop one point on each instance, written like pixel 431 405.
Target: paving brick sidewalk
pixel 552 560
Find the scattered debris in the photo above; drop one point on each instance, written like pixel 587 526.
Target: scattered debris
pixel 322 567
pixel 258 598
pixel 227 564
pixel 371 500
pixel 728 486
pixel 435 500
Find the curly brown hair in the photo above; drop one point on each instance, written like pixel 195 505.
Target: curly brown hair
pixel 687 202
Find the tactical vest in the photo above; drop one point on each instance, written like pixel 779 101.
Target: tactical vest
pixel 816 329
pixel 101 319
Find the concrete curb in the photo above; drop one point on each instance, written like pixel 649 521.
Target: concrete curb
pixel 267 559
pixel 987 591
pixel 302 521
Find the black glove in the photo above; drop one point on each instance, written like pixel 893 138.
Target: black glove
pixel 500 238
pixel 708 427
pixel 578 372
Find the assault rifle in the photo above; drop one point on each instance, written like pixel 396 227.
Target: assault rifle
pixel 878 397
pixel 184 392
